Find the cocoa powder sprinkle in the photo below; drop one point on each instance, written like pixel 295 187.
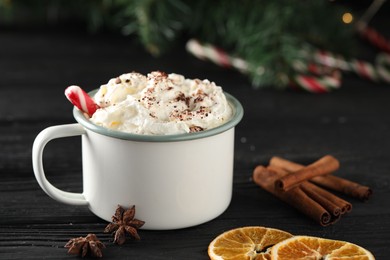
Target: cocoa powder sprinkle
pixel 195 128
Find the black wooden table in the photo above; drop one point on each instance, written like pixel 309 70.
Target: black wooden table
pixel 352 123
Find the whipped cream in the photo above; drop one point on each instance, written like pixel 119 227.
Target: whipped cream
pixel 160 104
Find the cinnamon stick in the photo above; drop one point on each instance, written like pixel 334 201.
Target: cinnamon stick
pixel 344 205
pixel 335 205
pixel 332 182
pixel 325 165
pixel 347 187
pixel 333 209
pixel 295 197
pixel 285 164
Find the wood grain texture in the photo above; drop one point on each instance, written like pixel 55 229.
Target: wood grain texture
pixel 352 124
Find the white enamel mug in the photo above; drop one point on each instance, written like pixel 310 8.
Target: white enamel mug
pixel 175 181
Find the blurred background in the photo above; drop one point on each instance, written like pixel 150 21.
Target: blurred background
pixel 273 43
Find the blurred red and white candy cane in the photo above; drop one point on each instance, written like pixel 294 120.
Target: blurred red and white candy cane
pixel 312 75
pixel 315 78
pixel 305 78
pixel 314 84
pixel 81 100
pixel 375 38
pixel 216 55
pixel 380 71
pixel 370 34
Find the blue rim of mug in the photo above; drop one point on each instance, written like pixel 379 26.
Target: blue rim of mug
pixel 238 113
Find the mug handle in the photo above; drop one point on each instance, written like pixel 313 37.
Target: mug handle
pixel 40 142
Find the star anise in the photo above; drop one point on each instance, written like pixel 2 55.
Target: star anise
pixel 123 221
pixel 84 245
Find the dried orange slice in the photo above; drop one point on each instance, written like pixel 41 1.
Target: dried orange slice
pixel 306 247
pixel 246 243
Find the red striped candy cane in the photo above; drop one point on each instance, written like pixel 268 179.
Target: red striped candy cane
pixel 81 100
pixel 375 38
pixel 309 83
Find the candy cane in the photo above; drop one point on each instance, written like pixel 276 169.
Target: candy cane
pixel 316 63
pixel 371 35
pixel 315 78
pixel 309 83
pixel 316 84
pixel 364 69
pixel 375 38
pixel 216 55
pixel 81 100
